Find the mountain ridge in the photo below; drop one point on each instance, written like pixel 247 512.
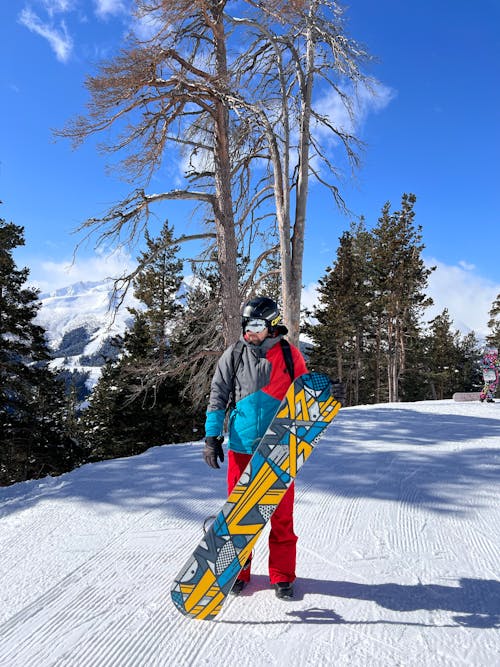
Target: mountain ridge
pixel 81 320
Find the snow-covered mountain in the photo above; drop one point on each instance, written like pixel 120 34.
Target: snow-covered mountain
pixel 397 516
pixel 80 321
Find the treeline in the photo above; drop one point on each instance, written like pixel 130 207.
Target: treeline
pixel 37 415
pixel 367 329
pixel 143 397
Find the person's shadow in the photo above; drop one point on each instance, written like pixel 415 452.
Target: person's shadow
pixel 475 603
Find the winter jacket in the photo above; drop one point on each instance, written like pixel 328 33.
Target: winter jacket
pixel 261 382
pixel 490 363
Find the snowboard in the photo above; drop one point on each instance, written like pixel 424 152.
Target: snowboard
pixel 467 396
pixel 205 581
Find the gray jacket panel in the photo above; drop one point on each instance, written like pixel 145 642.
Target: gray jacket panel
pixel 253 373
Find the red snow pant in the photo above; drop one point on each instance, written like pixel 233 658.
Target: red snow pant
pixel 282 539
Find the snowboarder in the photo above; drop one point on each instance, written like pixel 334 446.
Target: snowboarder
pixel 490 365
pixel 252 377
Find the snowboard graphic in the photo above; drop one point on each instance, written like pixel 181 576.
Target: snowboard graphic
pixel 461 396
pixel 205 581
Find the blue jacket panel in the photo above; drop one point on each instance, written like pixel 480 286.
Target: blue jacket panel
pixel 249 421
pixel 214 422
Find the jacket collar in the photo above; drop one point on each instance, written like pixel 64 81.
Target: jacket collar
pixel 265 346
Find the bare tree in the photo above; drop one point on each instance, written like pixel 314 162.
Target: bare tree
pixel 297 47
pixel 245 123
pixel 168 90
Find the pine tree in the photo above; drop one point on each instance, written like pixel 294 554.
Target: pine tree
pixel 138 401
pixel 493 337
pixel 342 314
pixel 414 379
pixel 157 286
pixel 371 302
pixel 470 376
pixel 269 279
pixel 452 361
pixel 399 280
pixel 32 417
pixel 197 340
pixel 442 358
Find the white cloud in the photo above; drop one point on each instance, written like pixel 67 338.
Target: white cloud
pixel 147 26
pixel 364 100
pixel 105 8
pixel 57 36
pixel 347 118
pixel 372 99
pixel 466 266
pixel 309 297
pixel 48 276
pixel 50 25
pixel 467 295
pixel 57 6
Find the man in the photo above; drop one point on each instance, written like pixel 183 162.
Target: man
pixel 255 373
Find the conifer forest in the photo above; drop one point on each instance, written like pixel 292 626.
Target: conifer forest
pixel 232 98
pixel 368 329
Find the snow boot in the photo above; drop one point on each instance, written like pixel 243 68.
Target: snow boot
pixel 284 590
pixel 238 586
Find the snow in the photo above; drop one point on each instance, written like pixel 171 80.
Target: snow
pixel 88 305
pixel 398 554
pixel 95 307
pixel 85 304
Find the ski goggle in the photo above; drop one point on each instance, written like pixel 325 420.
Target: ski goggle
pixel 255 325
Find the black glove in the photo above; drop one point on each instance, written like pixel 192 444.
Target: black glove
pixel 213 450
pixel 338 390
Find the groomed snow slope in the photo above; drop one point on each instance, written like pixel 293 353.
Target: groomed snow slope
pixel 397 514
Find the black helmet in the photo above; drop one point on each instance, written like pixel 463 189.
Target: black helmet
pixel 261 308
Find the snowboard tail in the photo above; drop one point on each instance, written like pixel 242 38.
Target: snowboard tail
pixel 462 396
pixel 203 584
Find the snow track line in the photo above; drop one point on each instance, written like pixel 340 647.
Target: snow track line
pixel 72 603
pixel 344 524
pixel 92 590
pixel 337 515
pixel 408 537
pixel 397 556
pixel 70 610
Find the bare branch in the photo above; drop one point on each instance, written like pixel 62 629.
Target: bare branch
pixel 131 215
pixel 256 266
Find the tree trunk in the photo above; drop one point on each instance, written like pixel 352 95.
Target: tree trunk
pixel 357 367
pixel 227 247
pixel 292 291
pixel 377 367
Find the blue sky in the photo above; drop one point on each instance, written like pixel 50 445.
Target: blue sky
pixel 433 131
